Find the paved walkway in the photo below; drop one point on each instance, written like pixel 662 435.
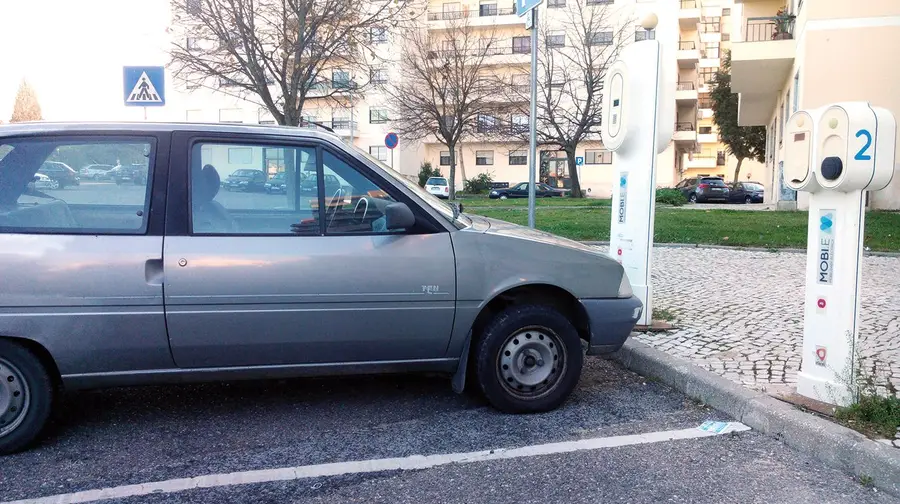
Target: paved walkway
pixel 740 314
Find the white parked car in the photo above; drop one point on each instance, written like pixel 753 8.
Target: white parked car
pixel 438 186
pixel 96 171
pixel 42 182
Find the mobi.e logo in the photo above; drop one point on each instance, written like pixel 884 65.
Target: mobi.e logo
pixel 623 195
pixel 825 256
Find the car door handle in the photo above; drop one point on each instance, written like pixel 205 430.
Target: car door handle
pixel 153 272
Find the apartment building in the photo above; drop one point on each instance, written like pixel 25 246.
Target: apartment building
pixel 697 32
pixel 803 54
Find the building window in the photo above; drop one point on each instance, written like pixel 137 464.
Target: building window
pixel 340 79
pixel 518 124
pixel 711 50
pixel 641 34
pixel 378 35
pixel 444 158
pixel 378 116
pixel 599 2
pixel 449 122
pixel 601 38
pixel 487 123
pixel 487 9
pixel 521 45
pixel 231 116
pixel 597 156
pixel 192 44
pixel 796 103
pixel 556 38
pixel 556 4
pixel 711 24
pixel 726 11
pixel 379 152
pixel 705 130
pixel 726 37
pixel 707 74
pixel 484 157
pixel 264 117
pixel 518 157
pixel 379 76
pixel 721 158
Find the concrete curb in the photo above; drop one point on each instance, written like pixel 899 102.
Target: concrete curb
pixel 873 253
pixel 832 444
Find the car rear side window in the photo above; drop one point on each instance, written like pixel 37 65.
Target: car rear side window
pixel 42 192
pixel 237 196
pixel 436 181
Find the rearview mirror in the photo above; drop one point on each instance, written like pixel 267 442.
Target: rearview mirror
pixel 398 216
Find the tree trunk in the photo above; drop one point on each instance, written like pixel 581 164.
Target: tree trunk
pixel 737 170
pixel 462 166
pixel 452 176
pixel 573 173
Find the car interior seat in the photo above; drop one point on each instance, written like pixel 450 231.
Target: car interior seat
pixel 209 216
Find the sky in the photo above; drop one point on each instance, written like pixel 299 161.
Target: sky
pixel 72 53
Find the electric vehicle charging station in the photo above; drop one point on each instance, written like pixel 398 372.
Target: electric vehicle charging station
pixel 638 123
pixel 835 153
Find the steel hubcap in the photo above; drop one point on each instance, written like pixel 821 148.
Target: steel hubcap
pixel 14 397
pixel 531 362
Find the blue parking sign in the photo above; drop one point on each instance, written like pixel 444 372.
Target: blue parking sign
pixel 144 86
pixel 579 161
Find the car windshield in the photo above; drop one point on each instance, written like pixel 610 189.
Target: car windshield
pixel 436 181
pixel 447 210
pixel 753 187
pixel 242 173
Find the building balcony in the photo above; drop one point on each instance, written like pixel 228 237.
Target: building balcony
pixel 484 16
pixel 686 94
pixel 503 52
pixel 700 160
pixel 685 133
pixel 688 55
pixel 760 65
pixel 689 14
pixel 707 138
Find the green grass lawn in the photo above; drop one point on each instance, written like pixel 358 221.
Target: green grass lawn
pixel 474 201
pixel 769 229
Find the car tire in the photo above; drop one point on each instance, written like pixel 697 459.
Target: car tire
pixel 528 359
pixel 54 184
pixel 748 200
pixel 26 396
pixel 693 198
pixel 503 197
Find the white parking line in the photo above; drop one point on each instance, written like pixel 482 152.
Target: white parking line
pixel 413 462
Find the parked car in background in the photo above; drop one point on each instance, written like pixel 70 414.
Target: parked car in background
pixel 520 190
pixel 746 192
pixel 96 171
pixel 246 180
pixel 438 186
pixel 129 174
pixel 276 184
pixel 704 189
pixel 395 281
pixel 310 185
pixel 42 182
pixel 61 173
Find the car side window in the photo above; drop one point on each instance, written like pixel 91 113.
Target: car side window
pixel 229 195
pixel 42 192
pixel 353 203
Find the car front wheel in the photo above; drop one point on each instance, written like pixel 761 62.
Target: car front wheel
pixel 26 397
pixel 528 359
pixel 693 198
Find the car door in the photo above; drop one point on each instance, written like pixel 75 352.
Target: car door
pixel 82 270
pixel 299 278
pixel 519 191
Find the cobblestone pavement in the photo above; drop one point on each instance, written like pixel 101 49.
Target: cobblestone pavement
pixel 739 313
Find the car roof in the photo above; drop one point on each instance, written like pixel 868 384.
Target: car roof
pixel 43 127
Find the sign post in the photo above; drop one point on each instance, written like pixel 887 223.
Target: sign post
pixel 529 8
pixel 390 141
pixel 835 153
pixel 144 86
pixel 638 122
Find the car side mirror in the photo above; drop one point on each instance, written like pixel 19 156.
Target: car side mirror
pixel 398 216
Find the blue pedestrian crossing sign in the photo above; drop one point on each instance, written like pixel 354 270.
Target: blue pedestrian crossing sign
pixel 524 6
pixel 144 86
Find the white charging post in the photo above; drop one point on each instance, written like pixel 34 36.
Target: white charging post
pixel 835 153
pixel 638 123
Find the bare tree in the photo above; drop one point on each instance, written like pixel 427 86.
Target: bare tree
pixel 26 106
pixel 278 53
pixel 573 57
pixel 444 89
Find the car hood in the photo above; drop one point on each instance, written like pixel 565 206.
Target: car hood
pixel 490 226
pixel 238 177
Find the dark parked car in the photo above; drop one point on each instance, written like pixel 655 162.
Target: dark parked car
pixel 134 173
pixel 746 192
pixel 61 173
pixel 520 190
pixel 246 180
pixel 276 184
pixel 703 189
pixel 310 185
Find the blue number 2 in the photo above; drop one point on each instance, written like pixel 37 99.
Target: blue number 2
pixel 861 155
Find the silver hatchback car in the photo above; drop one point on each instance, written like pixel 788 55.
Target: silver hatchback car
pixel 351 269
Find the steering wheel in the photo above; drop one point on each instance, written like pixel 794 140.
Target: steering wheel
pixel 365 209
pixel 332 204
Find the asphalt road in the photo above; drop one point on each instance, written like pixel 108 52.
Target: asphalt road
pixel 137 435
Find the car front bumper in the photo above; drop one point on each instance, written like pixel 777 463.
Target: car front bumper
pixel 611 322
